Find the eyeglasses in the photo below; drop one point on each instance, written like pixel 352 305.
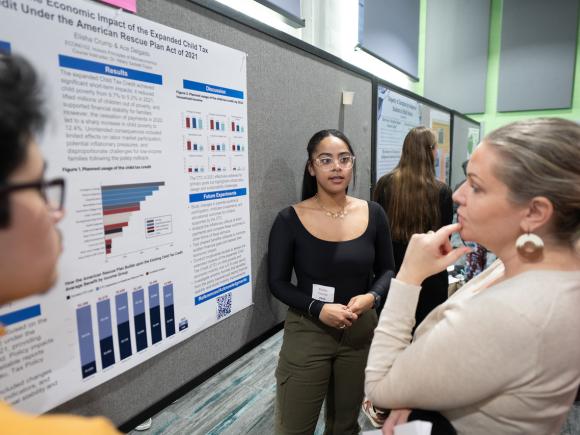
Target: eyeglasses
pixel 52 191
pixel 346 161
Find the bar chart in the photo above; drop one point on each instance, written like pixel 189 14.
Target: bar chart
pixel 192 121
pixel 119 202
pixel 193 144
pixel 236 126
pixel 195 169
pixel 217 147
pixel 219 165
pixel 217 123
pixel 237 147
pixel 153 319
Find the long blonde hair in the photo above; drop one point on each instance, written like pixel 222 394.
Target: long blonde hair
pixel 410 193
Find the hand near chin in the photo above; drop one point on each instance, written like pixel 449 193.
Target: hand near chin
pixel 337 315
pixel 428 254
pixel 396 417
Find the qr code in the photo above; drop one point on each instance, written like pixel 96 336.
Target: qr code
pixel 224 305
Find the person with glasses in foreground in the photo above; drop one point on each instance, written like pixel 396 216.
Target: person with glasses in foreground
pixel 502 354
pixel 340 249
pixel 30 208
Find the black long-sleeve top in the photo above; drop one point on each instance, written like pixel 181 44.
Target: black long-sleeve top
pixel 352 267
pixel 434 288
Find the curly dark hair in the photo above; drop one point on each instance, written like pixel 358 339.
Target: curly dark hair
pixel 21 116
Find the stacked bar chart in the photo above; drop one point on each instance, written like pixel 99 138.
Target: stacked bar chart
pixel 105 333
pixel 154 313
pixel 119 202
pixel 159 305
pixel 168 307
pixel 86 341
pixel 123 329
pixel 192 122
pixel 139 319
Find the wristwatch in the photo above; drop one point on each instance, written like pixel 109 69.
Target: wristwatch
pixel 377 299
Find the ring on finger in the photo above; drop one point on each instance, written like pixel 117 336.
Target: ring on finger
pixel 342 326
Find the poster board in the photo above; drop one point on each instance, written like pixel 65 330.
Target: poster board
pixel 466 136
pixel 149 126
pixel 396 114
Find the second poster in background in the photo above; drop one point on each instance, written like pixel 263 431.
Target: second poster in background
pixel 396 115
pixel 149 127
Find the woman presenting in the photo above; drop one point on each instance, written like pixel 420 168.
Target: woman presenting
pixel 340 249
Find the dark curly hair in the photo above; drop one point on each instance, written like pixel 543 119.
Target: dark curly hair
pixel 21 116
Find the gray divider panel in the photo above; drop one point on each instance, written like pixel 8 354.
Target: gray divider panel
pixel 291 95
pixel 456 47
pixel 538 53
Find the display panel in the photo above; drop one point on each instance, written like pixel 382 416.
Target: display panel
pixel 149 127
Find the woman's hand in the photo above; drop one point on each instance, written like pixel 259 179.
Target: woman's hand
pixel 361 303
pixel 337 316
pixel 396 417
pixel 428 254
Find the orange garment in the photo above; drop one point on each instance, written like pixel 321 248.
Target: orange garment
pixel 17 423
pixel 13 422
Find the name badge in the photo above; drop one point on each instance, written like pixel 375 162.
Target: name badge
pixel 322 293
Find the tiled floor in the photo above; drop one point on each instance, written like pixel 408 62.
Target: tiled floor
pixel 240 400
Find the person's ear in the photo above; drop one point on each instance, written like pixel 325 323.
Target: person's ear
pixel 311 169
pixel 538 213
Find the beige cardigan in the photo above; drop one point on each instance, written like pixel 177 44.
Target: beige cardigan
pixel 498 360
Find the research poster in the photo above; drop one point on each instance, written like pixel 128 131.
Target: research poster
pixel 396 115
pixel 149 127
pixel 472 140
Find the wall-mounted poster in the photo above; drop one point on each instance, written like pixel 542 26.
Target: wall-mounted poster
pixel 148 125
pixel 396 115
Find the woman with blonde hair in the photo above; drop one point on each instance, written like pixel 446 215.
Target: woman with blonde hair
pixel 501 356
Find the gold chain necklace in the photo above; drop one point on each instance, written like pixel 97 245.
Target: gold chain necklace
pixel 333 214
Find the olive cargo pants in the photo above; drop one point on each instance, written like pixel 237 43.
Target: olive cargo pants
pixel 318 362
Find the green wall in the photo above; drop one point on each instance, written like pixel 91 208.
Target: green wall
pixel 493 119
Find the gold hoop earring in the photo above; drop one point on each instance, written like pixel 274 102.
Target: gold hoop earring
pixel 530 246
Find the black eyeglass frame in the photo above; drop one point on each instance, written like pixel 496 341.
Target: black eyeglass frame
pixel 41 186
